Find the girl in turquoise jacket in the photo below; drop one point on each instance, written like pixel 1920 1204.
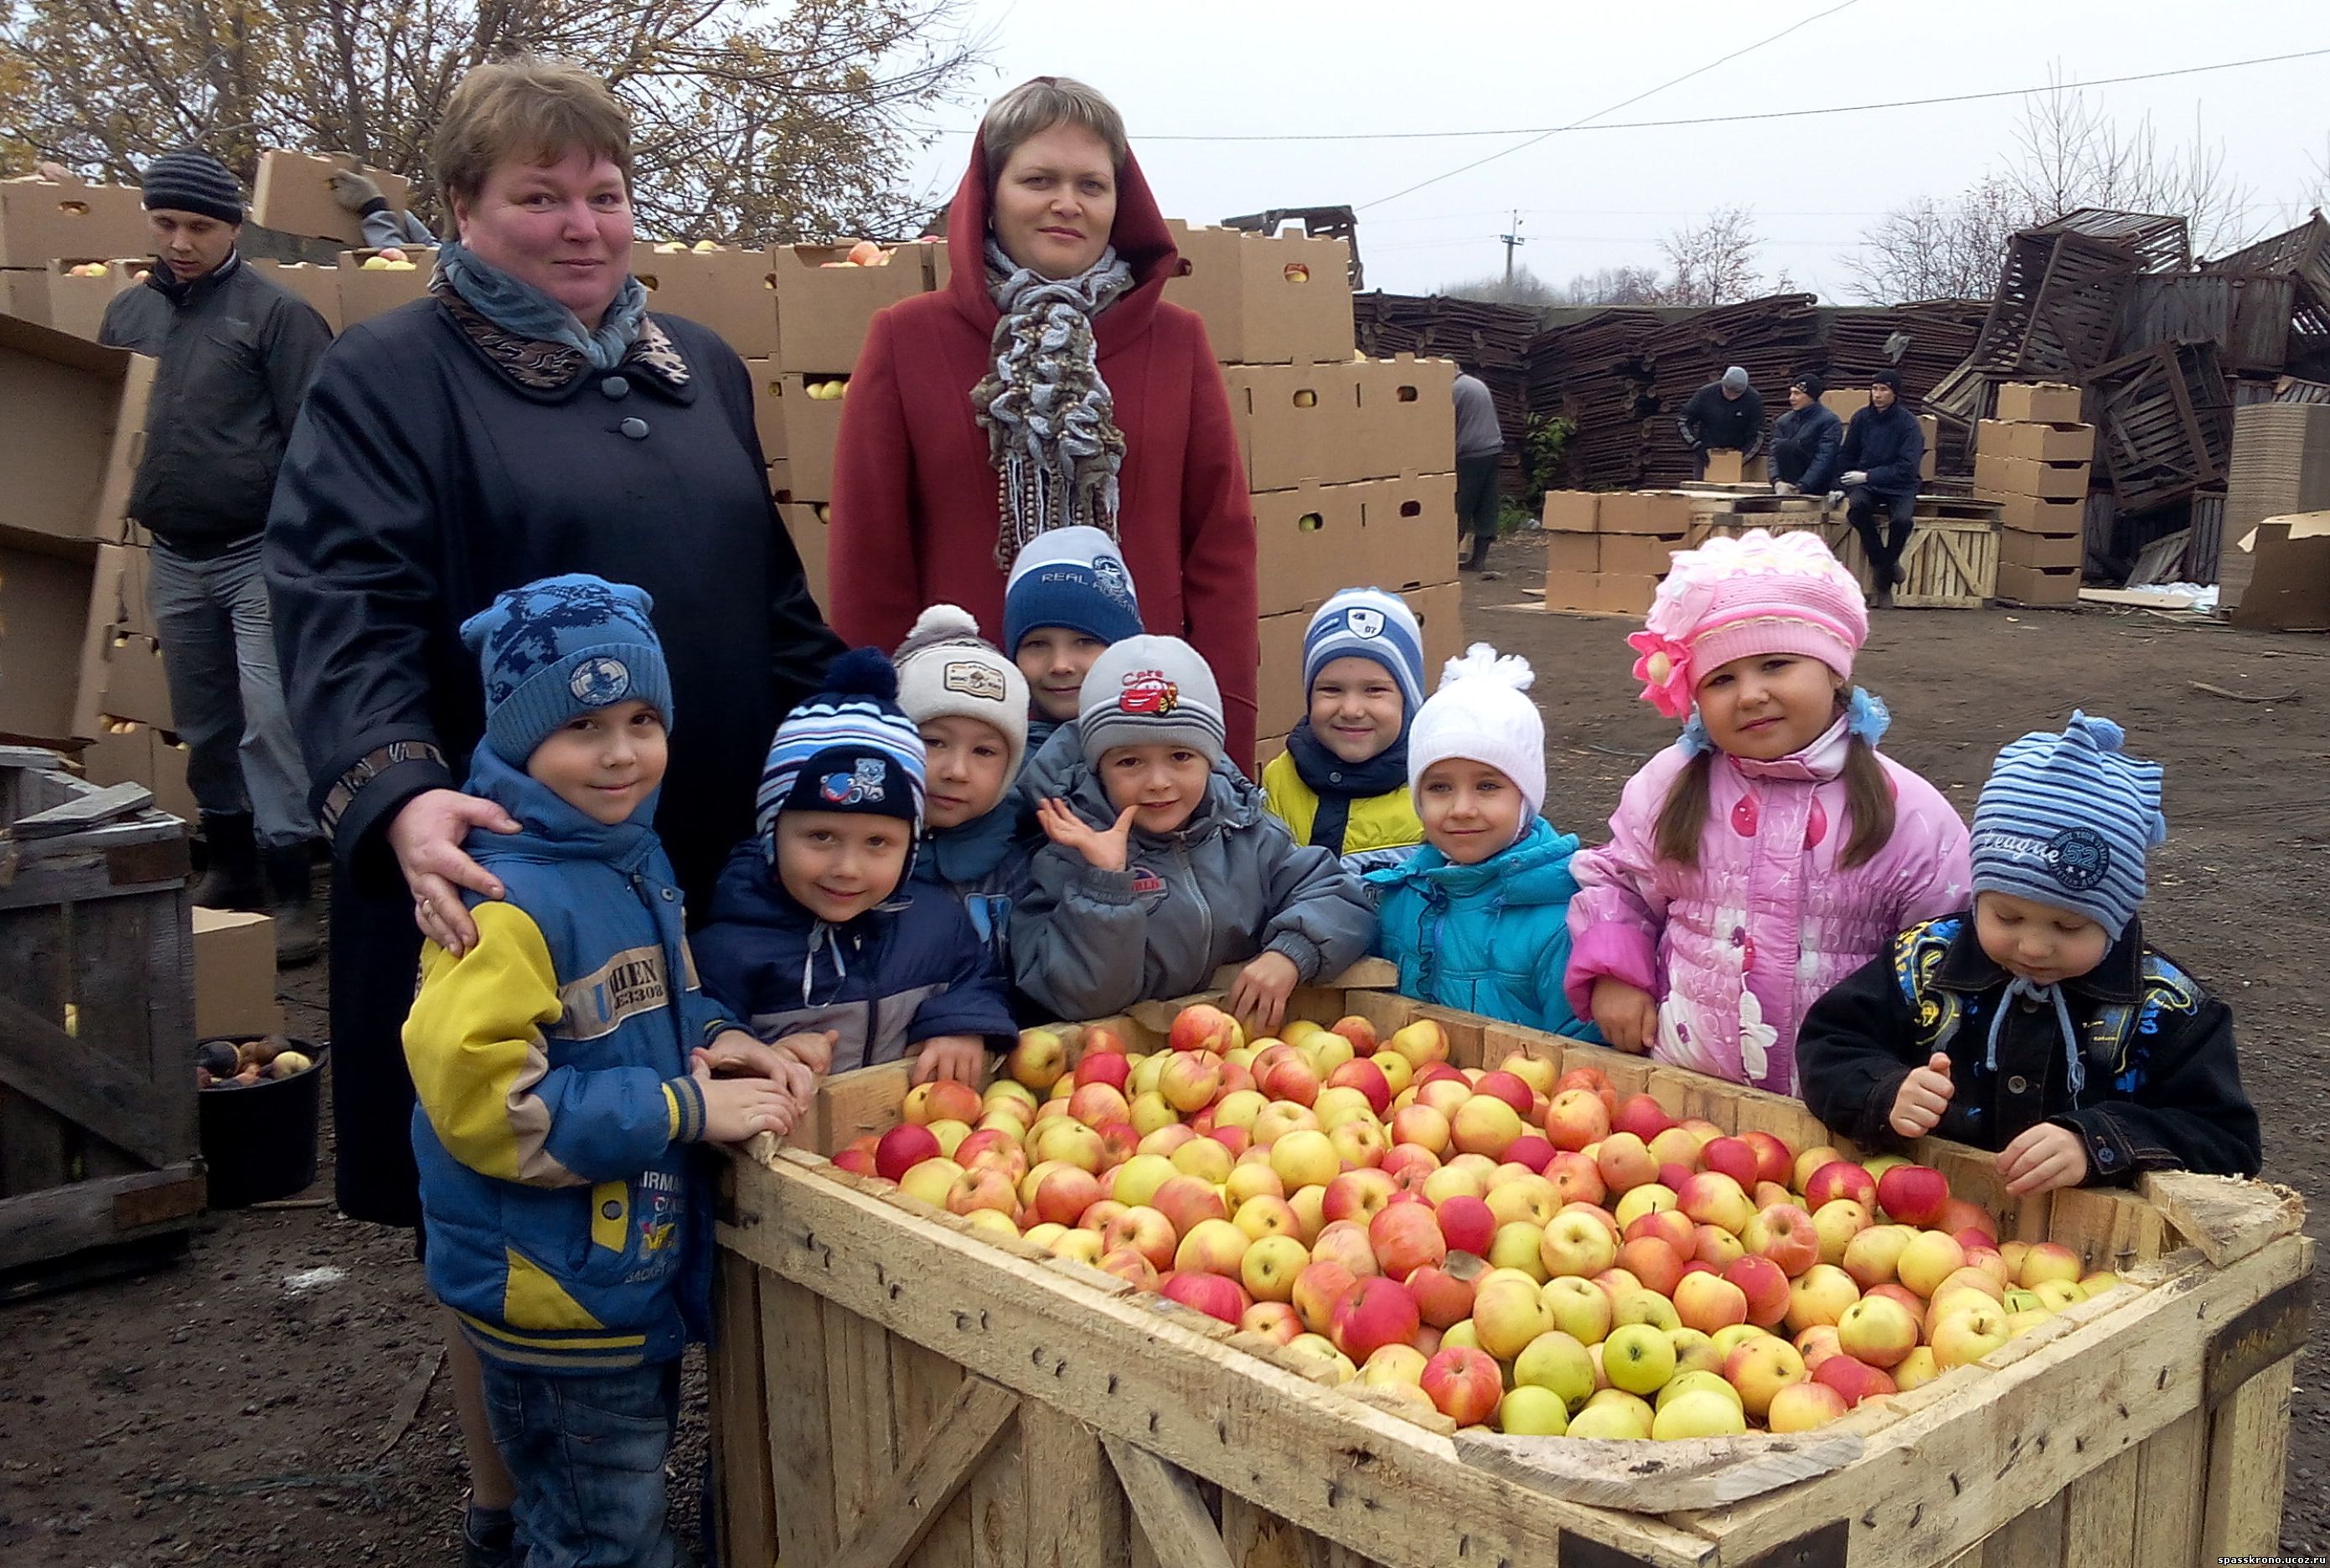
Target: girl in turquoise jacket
pixel 1479 918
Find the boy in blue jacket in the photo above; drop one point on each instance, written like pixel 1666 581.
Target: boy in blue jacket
pixel 1479 918
pixel 563 1079
pixel 815 925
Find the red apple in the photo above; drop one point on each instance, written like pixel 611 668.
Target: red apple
pixel 1357 1194
pixel 1129 1264
pixel 1764 1285
pixel 1275 1320
pixel 1576 1178
pixel 1441 1298
pixel 1958 1214
pixel 1467 1223
pixel 1215 1295
pixel 1735 1157
pixel 1773 1161
pixel 902 1148
pixel 1463 1383
pixel 1369 1079
pixel 1109 1067
pixel 942 1100
pixel 1672 1226
pixel 1530 1150
pixel 1063 1194
pixel 1119 1142
pixel 1840 1178
pixel 1675 1174
pixel 1406 1237
pixel 1508 1088
pixel 1575 1117
pixel 856 1162
pixel 1373 1313
pixel 1203 1028
pixel 1783 1233
pixel 1145 1232
pixel 1625 1161
pixel 1653 1261
pixel 1318 1289
pixel 1641 1115
pixel 1914 1194
pixel 1855 1380
pixel 1188 1201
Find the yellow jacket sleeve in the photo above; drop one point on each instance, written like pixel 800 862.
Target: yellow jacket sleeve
pixel 474 1042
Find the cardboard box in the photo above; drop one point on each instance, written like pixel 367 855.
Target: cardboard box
pixel 137 686
pixel 1570 589
pixel 57 605
pixel 141 754
pixel 1726 467
pixel 1846 402
pixel 73 433
pixel 1308 542
pixel 733 292
pixel 1661 512
pixel 1640 554
pixel 780 479
pixel 812 431
pixel 1409 530
pixel 1996 478
pixel 42 220
pixel 366 293
pixel 1301 424
pixel 2046 402
pixel 1572 554
pixel 1267 751
pixel 1265 299
pixel 768 409
pixel 823 311
pixel 234 975
pixel 2040 587
pixel 78 304
pixel 1440 616
pixel 1571 512
pixel 1280 700
pixel 318 285
pixel 135 612
pixel 1623 593
pixel 2036 514
pixel 24 294
pixel 807 524
pixel 2289 584
pixel 1407 415
pixel 2043 552
pixel 2041 443
pixel 293 195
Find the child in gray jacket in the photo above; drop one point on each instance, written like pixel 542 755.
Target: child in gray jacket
pixel 1162 867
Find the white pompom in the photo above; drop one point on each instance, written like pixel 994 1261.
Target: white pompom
pixel 944 620
pixel 1483 662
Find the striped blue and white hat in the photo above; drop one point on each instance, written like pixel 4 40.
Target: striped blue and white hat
pixel 849 748
pixel 2067 820
pixel 1367 623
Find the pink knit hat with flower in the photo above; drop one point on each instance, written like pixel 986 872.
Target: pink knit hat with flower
pixel 1760 593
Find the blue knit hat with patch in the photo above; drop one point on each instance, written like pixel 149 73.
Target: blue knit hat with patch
pixel 849 747
pixel 559 647
pixel 2066 820
pixel 1367 623
pixel 1070 577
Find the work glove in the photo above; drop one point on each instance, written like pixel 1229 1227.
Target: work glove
pixel 352 190
pixel 1858 476
pixel 1782 487
pixel 1836 498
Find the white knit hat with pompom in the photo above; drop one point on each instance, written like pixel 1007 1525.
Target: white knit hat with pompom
pixel 945 669
pixel 1481 713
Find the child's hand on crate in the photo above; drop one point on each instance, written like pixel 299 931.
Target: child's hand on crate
pixel 733 1053
pixel 1627 1016
pixel 961 1057
pixel 1258 996
pixel 1922 1097
pixel 813 1050
pixel 2044 1158
pixel 737 1108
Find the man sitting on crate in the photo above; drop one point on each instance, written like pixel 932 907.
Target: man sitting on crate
pixel 1726 414
pixel 1884 447
pixel 236 353
pixel 1806 441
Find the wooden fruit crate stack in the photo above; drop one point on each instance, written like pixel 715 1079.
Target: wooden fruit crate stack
pixel 894 1389
pixel 2034 460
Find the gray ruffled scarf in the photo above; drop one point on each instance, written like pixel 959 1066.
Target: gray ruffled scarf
pixel 1050 422
pixel 521 308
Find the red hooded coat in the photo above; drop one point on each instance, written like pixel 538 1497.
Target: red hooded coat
pixel 915 507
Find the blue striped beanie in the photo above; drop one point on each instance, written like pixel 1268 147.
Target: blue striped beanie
pixel 2066 820
pixel 1070 577
pixel 849 748
pixel 1367 623
pixel 559 647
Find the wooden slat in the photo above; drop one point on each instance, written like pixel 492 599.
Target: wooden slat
pixel 999 1506
pixel 740 1418
pixel 1255 1538
pixel 2172 1469
pixel 1077 1512
pixel 2225 1218
pixel 1171 1513
pixel 922 1384
pixel 2032 1539
pixel 40 1059
pixel 2249 1453
pixel 2100 1511
pixel 2109 1229
pixel 801 1465
pixel 863 1441
pixel 902 1510
pixel 97 1211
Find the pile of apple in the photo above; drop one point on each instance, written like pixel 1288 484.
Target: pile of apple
pixel 1508 1247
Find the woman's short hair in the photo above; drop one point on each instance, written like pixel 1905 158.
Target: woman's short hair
pixel 1036 105
pixel 541 110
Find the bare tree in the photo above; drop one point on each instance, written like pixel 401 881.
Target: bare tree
pixel 1714 263
pixel 1931 249
pixel 1525 287
pixel 1612 285
pixel 2071 154
pixel 749 122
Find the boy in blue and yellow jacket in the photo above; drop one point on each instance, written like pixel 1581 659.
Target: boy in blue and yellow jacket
pixel 563 1068
pixel 1342 783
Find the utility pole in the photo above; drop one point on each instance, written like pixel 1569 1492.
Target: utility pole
pixel 1511 241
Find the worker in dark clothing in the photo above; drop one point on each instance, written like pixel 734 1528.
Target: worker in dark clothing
pixel 1480 448
pixel 1883 450
pixel 1726 414
pixel 385 229
pixel 236 354
pixel 1806 441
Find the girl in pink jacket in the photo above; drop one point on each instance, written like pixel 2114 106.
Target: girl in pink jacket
pixel 1771 851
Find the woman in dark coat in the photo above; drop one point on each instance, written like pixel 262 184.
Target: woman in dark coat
pixel 528 418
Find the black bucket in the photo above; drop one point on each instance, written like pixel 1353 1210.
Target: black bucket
pixel 259 1140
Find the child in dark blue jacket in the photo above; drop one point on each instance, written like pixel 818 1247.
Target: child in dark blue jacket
pixel 563 1079
pixel 815 925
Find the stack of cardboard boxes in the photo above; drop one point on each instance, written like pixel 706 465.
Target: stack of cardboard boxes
pixel 2034 461
pixel 42 221
pixel 1606 552
pixel 2281 468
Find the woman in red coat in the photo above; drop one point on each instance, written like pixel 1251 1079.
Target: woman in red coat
pixel 1048 384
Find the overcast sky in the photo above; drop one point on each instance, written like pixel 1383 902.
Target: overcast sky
pixel 1592 199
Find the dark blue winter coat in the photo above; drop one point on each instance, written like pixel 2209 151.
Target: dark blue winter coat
pixel 1888 444
pixel 1804 447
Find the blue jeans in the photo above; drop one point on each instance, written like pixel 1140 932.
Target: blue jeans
pixel 226 692
pixel 588 1455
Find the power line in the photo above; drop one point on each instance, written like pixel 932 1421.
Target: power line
pixel 1613 108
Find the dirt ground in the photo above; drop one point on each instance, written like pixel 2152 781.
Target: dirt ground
pixel 237 1408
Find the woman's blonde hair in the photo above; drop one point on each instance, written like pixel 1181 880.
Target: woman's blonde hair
pixel 1036 105
pixel 538 110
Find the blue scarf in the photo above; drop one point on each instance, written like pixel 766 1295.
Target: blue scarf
pixel 519 307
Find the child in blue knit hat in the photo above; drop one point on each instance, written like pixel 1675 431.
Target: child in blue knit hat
pixel 564 1065
pixel 2040 1023
pixel 816 927
pixel 1069 595
pixel 1342 783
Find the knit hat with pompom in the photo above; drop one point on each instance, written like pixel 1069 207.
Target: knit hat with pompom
pixel 847 749
pixel 1481 714
pixel 947 670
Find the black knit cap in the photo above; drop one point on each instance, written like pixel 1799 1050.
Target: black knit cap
pixel 1887 376
pixel 187 181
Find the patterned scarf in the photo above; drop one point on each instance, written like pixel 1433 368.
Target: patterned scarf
pixel 1050 422
pixel 521 308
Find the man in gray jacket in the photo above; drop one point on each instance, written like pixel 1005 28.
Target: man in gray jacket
pixel 236 354
pixel 1480 448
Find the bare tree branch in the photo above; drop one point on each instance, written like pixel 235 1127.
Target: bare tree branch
pixel 1714 263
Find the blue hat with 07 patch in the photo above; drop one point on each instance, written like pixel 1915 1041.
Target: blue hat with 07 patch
pixel 559 647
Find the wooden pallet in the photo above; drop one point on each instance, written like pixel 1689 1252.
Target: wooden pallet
pixel 893 1389
pixel 1952 562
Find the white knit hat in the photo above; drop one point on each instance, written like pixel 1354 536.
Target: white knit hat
pixel 1481 715
pixel 946 670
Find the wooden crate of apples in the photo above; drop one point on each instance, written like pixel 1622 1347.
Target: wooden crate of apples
pixel 1514 1247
